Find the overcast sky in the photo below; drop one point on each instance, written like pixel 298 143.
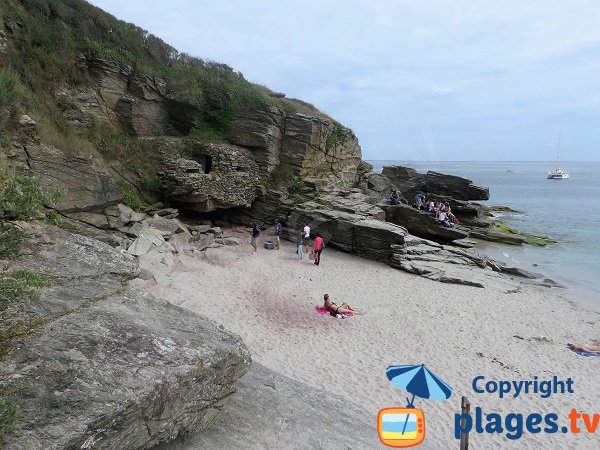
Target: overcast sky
pixel 418 80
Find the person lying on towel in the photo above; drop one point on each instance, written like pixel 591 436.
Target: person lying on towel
pixel 334 309
pixel 594 347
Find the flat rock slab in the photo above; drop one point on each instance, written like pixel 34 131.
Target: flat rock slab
pixel 271 411
pixel 421 223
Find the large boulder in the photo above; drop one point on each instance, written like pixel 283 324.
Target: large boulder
pixel 352 233
pixel 457 187
pixel 421 223
pixel 99 365
pixel 273 411
pixel 409 182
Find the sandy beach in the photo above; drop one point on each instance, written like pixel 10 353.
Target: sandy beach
pixel 502 332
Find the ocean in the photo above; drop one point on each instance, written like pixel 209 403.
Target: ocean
pixel 565 210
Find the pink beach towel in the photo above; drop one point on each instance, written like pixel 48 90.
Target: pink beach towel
pixel 321 310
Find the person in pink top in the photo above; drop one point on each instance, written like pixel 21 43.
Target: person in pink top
pixel 318 248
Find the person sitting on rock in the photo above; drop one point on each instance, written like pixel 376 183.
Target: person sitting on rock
pixel 443 218
pixel 334 309
pixel 432 206
pixel 394 198
pixel 451 217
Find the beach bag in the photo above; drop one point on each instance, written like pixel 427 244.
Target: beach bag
pixel 312 256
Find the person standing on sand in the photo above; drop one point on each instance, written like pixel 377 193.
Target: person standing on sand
pixel 300 245
pixel 318 248
pixel 255 234
pixel 306 237
pixel 278 228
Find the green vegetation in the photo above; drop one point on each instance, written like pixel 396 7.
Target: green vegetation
pixel 8 406
pixel 280 175
pixel 12 240
pixel 21 197
pixel 20 285
pixel 130 197
pixel 47 52
pixel 333 138
pixel 531 239
pixel 10 94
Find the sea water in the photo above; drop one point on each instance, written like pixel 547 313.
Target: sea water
pixel 565 210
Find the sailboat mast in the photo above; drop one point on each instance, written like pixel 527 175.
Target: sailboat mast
pixel 558 152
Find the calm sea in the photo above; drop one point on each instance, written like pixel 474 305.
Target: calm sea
pixel 566 210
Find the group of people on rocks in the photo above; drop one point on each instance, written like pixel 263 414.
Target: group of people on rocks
pixel 302 241
pixel 441 209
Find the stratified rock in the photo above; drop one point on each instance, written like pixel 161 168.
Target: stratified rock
pixel 352 233
pixel 519 272
pixel 85 186
pixel 494 235
pixel 271 411
pixel 94 219
pixel 421 223
pixel 261 132
pixel 443 263
pixel 410 182
pixel 317 146
pixel 107 367
pixel 407 180
pixel 456 187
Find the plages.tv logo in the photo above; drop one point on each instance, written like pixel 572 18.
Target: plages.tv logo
pixel 405 427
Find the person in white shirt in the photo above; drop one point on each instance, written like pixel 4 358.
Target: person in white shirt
pixel 306 237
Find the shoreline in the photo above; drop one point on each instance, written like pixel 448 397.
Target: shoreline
pixel 458 331
pixel 586 297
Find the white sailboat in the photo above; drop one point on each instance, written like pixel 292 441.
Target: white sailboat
pixel 557 173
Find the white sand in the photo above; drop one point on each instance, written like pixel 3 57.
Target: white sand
pixel 459 332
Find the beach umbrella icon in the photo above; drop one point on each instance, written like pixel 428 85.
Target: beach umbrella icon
pixel 418 381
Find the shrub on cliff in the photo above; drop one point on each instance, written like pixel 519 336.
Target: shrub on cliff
pixel 10 94
pixel 21 197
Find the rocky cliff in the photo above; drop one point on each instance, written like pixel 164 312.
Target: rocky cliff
pixel 99 365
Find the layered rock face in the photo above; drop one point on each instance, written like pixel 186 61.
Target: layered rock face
pixel 316 146
pixel 409 181
pixel 292 416
pixel 261 132
pixel 140 105
pixel 86 185
pixel 108 366
pixel 420 223
pixel 136 103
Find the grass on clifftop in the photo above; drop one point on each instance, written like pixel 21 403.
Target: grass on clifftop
pixel 45 51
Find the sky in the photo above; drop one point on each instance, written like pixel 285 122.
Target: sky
pixel 458 80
